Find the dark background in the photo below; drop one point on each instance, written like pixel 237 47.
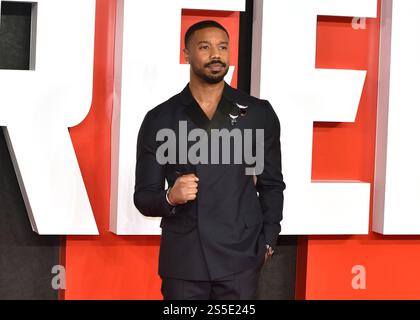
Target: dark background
pixel 26 259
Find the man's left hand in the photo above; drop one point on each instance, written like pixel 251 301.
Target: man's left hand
pixel 268 253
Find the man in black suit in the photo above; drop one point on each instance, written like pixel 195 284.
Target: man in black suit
pixel 219 222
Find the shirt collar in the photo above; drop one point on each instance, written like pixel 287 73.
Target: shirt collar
pixel 228 93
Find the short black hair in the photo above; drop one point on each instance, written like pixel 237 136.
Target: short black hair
pixel 202 25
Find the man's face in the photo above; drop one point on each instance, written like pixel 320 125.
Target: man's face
pixel 208 54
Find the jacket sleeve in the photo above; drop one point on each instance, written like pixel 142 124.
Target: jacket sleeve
pixel 270 184
pixel 149 190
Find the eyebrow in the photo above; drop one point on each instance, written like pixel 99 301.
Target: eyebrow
pixel 204 41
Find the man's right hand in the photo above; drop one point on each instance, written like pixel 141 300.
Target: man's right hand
pixel 184 189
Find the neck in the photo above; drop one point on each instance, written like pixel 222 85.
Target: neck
pixel 205 92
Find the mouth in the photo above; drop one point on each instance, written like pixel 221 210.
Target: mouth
pixel 216 67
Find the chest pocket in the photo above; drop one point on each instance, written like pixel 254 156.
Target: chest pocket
pixel 182 221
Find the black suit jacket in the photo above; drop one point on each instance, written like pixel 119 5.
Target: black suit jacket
pixel 226 228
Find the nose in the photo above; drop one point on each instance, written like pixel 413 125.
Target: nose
pixel 215 53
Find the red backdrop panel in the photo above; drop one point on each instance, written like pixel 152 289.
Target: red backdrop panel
pixel 110 266
pixel 347 151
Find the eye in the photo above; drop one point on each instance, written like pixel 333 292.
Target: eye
pixel 204 47
pixel 223 47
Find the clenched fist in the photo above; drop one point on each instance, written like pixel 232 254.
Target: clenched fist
pixel 184 189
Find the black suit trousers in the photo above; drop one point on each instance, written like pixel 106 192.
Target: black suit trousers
pixel 239 286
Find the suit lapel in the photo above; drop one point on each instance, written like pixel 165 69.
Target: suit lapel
pixel 221 117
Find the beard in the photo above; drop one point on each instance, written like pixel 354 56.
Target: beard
pixel 207 75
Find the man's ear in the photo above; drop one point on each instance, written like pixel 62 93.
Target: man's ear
pixel 186 54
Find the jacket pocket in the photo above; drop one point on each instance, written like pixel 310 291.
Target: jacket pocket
pixel 252 219
pixel 177 224
pixel 252 212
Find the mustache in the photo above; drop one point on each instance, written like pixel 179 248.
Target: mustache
pixel 215 62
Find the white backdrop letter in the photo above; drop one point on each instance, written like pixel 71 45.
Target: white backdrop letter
pixel 284 72
pixel 38 106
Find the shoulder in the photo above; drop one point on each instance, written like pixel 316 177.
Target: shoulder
pixel 165 107
pixel 165 111
pixel 244 98
pixel 260 107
